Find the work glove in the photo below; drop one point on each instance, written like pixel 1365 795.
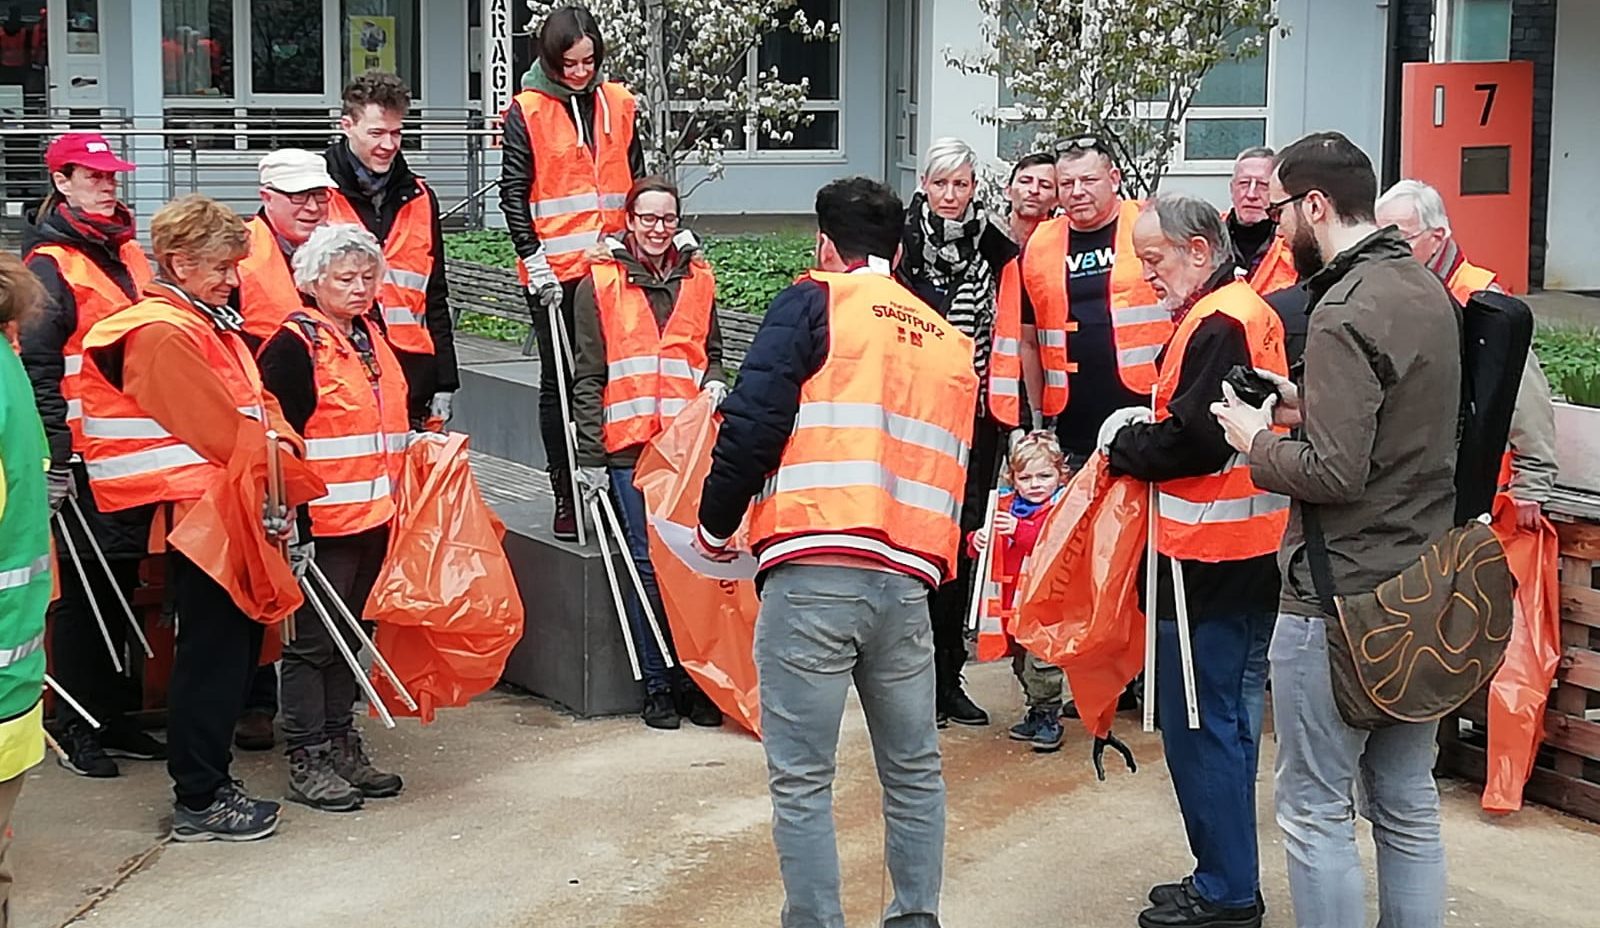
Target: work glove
pixel 300 557
pixel 717 390
pixel 277 525
pixel 542 282
pixel 593 481
pixel 59 487
pixel 1120 420
pixel 414 437
pixel 439 407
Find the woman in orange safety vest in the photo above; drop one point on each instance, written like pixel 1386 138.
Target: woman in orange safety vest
pixel 80 244
pixel 341 387
pixel 570 155
pixel 647 344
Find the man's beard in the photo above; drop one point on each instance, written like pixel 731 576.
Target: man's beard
pixel 1306 253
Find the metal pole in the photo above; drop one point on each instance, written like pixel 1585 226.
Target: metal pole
pixel 77 707
pixel 361 635
pixel 347 654
pixel 633 571
pixel 616 593
pixel 115 586
pixel 275 494
pixel 569 429
pixel 1150 592
pixel 981 569
pixel 94 604
pixel 1185 645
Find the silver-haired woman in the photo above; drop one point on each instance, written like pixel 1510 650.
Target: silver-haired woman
pixel 951 256
pixel 339 384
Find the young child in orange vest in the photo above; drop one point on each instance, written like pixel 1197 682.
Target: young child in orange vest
pixel 1036 468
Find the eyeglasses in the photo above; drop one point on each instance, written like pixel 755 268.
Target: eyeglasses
pixel 1274 211
pixel 318 196
pixel 649 220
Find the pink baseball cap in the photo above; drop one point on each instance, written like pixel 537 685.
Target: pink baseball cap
pixel 87 149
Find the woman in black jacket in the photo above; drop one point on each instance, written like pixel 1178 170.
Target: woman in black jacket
pixel 951 256
pixel 80 244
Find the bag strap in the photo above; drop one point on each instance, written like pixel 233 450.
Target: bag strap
pixel 1317 559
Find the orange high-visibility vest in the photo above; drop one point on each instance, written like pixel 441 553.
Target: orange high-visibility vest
pixel 1139 323
pixel 652 371
pixel 97 296
pixel 356 436
pixel 578 193
pixel 267 294
pixel 1468 279
pixel 878 455
pixel 132 459
pixel 1005 356
pixel 1221 516
pixel 408 264
pixel 1276 270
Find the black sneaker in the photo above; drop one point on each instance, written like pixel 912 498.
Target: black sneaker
pixel 85 755
pixel 958 707
pixel 232 816
pixel 125 739
pixel 698 707
pixel 1185 909
pixel 1170 893
pixel 661 711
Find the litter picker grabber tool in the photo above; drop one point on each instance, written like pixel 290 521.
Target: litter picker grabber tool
pixel 1185 643
pixel 1150 588
pixel 361 634
pixel 275 495
pixel 1097 755
pixel 94 604
pixel 569 430
pixel 981 568
pixel 77 707
pixel 603 502
pixel 345 652
pixel 616 594
pixel 116 587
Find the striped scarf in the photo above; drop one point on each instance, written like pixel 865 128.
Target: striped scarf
pixel 945 253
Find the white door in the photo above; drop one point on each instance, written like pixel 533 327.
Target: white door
pixel 77 54
pixel 905 26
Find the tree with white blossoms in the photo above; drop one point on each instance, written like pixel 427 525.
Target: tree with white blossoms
pixel 1124 71
pixel 687 62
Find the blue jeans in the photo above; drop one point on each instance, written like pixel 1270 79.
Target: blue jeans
pixel 630 511
pixel 819 630
pixel 1319 758
pixel 1213 766
pixel 1255 674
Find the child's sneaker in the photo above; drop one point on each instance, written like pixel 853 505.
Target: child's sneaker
pixel 1028 728
pixel 1047 736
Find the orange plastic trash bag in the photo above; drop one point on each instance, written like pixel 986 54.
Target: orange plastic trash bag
pixel 221 533
pixel 1078 595
pixel 711 608
pixel 446 603
pixel 1519 690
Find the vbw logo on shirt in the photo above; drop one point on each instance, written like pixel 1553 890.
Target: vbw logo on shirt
pixel 1087 263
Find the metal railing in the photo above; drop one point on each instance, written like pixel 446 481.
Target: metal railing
pixel 215 151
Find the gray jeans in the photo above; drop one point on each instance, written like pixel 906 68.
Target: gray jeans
pixel 819 629
pixel 1319 759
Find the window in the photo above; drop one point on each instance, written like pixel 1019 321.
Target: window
pixel 286 47
pixel 1479 30
pixel 1229 111
pixel 383 35
pixel 197 48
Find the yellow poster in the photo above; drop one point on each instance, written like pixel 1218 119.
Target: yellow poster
pixel 372 41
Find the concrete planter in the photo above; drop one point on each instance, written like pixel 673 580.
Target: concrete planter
pixel 1578 446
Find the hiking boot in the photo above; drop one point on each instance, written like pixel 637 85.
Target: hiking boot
pixel 232 816
pixel 122 738
pixel 565 524
pixel 1187 910
pixel 314 782
pixel 661 711
pixel 85 755
pixel 350 762
pixel 956 706
pixel 1170 893
pixel 698 707
pixel 253 731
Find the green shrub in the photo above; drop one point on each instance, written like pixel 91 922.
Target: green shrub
pixel 489 247
pixel 1571 361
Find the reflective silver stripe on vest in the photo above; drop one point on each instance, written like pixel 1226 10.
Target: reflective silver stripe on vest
pixel 72 364
pixel 1137 315
pixel 359 491
pixel 406 280
pixel 134 427
pixel 566 244
pixel 399 315
pixel 348 446
pixel 672 407
pixel 1007 346
pixel 27 649
pixel 74 408
pixel 677 367
pixel 1133 357
pixel 144 462
pixel 845 475
pixel 1052 338
pixel 1055 378
pixel 613 200
pixel 636 366
pixel 630 409
pixel 1188 512
pixel 870 416
pixel 1003 386
pixel 560 206
pixel 22 576
pixel 399 442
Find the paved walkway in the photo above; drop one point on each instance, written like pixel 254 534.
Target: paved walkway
pixel 518 817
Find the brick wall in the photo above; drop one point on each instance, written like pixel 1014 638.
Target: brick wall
pixel 1533 38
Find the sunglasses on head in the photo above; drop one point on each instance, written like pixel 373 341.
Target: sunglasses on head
pixel 1082 143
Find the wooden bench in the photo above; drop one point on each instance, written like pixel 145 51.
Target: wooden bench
pixel 496 292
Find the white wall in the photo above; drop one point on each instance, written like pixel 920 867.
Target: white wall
pixel 950 103
pixel 1573 227
pixel 1330 72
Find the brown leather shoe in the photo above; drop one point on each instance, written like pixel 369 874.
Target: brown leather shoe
pixel 253 731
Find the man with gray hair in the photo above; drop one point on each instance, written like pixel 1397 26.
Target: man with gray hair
pixel 1216 535
pixel 1257 249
